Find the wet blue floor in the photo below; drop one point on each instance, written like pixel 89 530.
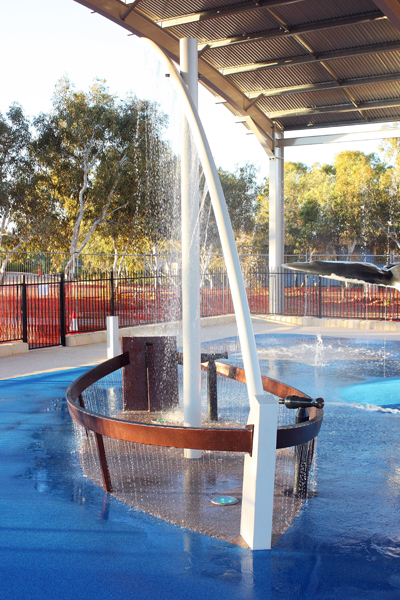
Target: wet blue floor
pixel 62 538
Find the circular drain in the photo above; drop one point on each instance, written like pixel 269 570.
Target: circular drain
pixel 224 500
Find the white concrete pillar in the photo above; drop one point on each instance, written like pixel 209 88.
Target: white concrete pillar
pixel 113 343
pixel 276 231
pixel 190 251
pixel 259 474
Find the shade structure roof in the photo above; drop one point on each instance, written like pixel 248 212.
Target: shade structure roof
pixel 282 65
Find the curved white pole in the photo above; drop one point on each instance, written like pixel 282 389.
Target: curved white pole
pixel 238 290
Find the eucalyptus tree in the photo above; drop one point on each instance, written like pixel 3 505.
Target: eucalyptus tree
pixel 150 221
pixel 360 199
pixel 241 190
pixel 331 208
pixel 95 152
pixel 25 213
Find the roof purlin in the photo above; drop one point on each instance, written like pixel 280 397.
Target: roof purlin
pixel 259 59
pixel 213 79
pixel 320 57
pixel 293 31
pixel 330 85
pixel 316 110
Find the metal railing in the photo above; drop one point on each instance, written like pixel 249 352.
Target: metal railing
pixel 302 433
pixel 35 264
pixel 42 310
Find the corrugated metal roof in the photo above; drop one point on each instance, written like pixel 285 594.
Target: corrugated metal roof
pixel 317 10
pixel 173 8
pixel 352 36
pixel 314 121
pixel 265 50
pixel 384 114
pixel 278 78
pixel 364 66
pixel 316 54
pixel 225 27
pixel 381 91
pixel 315 99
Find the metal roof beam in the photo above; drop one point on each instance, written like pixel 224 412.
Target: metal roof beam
pixel 138 24
pixel 317 110
pixel 336 138
pixel 295 30
pixel 130 8
pixel 358 122
pixel 391 8
pixel 307 59
pixel 224 11
pixel 326 85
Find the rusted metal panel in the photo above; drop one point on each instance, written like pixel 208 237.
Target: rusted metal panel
pixel 218 439
pixel 290 435
pixel 103 463
pixel 96 373
pixel 150 381
pixel 224 440
pixel 135 394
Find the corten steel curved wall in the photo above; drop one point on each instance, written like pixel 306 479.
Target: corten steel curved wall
pixel 221 439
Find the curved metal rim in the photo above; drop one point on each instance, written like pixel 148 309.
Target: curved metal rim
pixel 231 440
pixel 288 435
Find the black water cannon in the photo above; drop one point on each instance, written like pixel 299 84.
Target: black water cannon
pixel 293 401
pixel 207 356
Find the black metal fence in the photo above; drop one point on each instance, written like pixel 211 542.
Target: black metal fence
pixel 42 310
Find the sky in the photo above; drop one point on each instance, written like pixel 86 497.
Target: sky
pixel 43 40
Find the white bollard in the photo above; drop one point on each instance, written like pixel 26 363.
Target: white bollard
pixel 259 474
pixel 113 343
pixel 74 322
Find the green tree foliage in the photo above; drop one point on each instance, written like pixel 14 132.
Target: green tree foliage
pixel 390 218
pixel 359 194
pixel 25 213
pixel 103 160
pixel 331 209
pixel 307 218
pixel 241 191
pixel 95 174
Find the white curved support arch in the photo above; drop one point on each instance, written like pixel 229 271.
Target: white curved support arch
pixel 238 290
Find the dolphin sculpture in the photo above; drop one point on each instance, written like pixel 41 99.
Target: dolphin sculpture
pixel 356 272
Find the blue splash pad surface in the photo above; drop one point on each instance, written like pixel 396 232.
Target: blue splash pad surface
pixel 383 394
pixel 62 538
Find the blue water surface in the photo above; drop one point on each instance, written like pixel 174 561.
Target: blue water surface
pixel 62 537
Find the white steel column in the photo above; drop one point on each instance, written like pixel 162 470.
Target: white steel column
pixel 259 475
pixel 190 251
pixel 276 230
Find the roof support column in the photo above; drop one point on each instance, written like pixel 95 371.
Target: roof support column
pixel 276 231
pixel 190 251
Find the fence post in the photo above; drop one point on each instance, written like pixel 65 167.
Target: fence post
pixel 62 310
pixel 24 312
pixel 319 297
pixel 112 293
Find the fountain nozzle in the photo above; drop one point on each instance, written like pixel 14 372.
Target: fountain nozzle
pixel 301 402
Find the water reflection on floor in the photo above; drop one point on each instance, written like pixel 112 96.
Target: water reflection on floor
pixel 61 537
